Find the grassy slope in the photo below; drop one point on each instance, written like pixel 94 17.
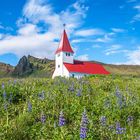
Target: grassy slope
pixel 45 68
pixel 123 69
pixel 5 70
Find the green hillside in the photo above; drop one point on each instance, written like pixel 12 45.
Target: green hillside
pixel 35 67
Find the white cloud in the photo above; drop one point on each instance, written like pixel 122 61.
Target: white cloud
pixel 83 57
pixel 96 46
pixel 28 29
pixel 137 16
pixel 113 49
pixel 89 32
pixel 118 30
pixel 104 39
pixel 134 57
pixel 31 40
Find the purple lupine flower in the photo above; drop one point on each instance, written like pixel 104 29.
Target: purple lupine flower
pixel 29 106
pixel 84 123
pixel 43 117
pixel 62 120
pixel 5 106
pixel 42 95
pixel 103 120
pixel 119 97
pixel 79 93
pixel 118 93
pixel 2 86
pixel 130 119
pixel 10 98
pixel 71 88
pixel 4 95
pixel 119 129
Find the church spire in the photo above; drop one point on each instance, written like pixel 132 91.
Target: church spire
pixel 64 45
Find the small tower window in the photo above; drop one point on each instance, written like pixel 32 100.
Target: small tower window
pixel 73 75
pixel 58 55
pixel 58 66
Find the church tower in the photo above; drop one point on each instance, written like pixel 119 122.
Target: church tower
pixel 63 54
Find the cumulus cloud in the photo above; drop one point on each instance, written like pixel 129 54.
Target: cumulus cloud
pixel 118 30
pixel 114 49
pixel 83 57
pixel 89 32
pixel 137 16
pixel 134 57
pixel 31 39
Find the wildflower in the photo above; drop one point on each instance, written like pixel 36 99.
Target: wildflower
pixel 10 98
pixel 119 98
pixel 43 117
pixel 3 86
pixel 4 95
pixel 79 93
pixel 62 120
pixel 103 120
pixel 84 123
pixel 42 95
pixel 119 129
pixel 71 88
pixel 29 106
pixel 5 106
pixel 130 119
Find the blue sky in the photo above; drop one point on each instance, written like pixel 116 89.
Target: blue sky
pixel 102 30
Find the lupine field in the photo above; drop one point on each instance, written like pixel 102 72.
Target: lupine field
pixel 92 108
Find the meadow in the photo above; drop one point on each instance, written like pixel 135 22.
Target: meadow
pixel 92 108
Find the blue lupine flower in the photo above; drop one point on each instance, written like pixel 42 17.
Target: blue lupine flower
pixel 119 129
pixel 103 120
pixel 130 119
pixel 62 120
pixel 10 98
pixel 4 95
pixel 42 95
pixel 29 106
pixel 5 106
pixel 79 93
pixel 2 86
pixel 71 88
pixel 119 98
pixel 43 117
pixel 84 123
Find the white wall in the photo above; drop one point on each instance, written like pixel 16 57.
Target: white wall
pixel 78 75
pixel 61 58
pixel 68 59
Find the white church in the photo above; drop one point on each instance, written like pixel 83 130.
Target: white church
pixel 67 66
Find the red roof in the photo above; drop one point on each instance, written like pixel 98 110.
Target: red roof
pixel 86 67
pixel 64 44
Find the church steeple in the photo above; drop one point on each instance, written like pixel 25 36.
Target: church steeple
pixel 64 45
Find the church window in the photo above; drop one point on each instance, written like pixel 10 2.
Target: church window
pixel 58 55
pixel 73 75
pixel 58 66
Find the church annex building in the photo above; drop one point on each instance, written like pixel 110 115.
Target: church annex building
pixel 67 66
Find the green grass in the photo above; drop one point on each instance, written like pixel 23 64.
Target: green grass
pixel 98 97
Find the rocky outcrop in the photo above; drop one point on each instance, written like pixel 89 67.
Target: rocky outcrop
pixel 24 67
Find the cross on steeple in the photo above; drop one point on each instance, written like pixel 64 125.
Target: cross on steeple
pixel 64 25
